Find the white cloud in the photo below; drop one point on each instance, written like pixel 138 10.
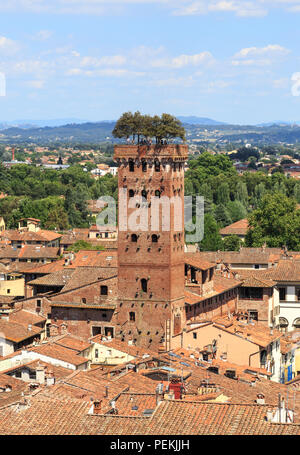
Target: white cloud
pixel 114 60
pixel 43 35
pixel 38 84
pixel 281 83
pixel 107 72
pixel 238 7
pixel 8 46
pixel 261 56
pixel 183 60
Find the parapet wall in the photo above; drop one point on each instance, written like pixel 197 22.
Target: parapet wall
pixel 177 152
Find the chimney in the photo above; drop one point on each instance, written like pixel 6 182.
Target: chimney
pixel 24 402
pixel 97 406
pixel 40 374
pixel 260 398
pixel 159 392
pixel 281 414
pixel 106 392
pixel 50 379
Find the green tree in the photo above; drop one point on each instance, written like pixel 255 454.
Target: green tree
pixel 212 241
pixel 222 195
pixel 57 219
pixel 222 215
pixel 242 193
pixel 237 210
pixel 83 245
pixel 275 222
pixel 232 243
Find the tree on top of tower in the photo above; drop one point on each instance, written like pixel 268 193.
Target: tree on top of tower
pixel 165 127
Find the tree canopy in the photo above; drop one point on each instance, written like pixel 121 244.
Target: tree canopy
pixel 275 222
pixel 136 125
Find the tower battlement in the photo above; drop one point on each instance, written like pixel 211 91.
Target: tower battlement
pixel 176 152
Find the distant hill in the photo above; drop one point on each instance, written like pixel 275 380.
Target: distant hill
pixel 70 133
pixel 25 124
pixel 192 120
pixel 96 132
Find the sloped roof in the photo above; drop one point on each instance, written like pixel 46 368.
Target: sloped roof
pixel 287 270
pixel 93 258
pixel 196 262
pixel 86 275
pixel 244 256
pixel 28 252
pixel 238 228
pixel 26 317
pixel 29 236
pixel 59 352
pixel 60 278
pixel 72 342
pixel 44 269
pixel 16 332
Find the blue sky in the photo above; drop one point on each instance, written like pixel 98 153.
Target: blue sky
pixel 231 60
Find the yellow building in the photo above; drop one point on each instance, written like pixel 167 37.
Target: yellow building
pixel 11 283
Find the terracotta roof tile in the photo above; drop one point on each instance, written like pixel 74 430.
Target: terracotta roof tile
pixel 16 332
pixel 26 317
pixel 72 342
pixel 60 278
pixel 59 352
pixel 238 228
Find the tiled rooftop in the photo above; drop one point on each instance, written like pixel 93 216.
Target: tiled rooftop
pixel 59 278
pixel 238 228
pixel 26 317
pixel 16 332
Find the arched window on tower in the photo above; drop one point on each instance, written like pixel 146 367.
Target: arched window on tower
pixel 131 166
pixel 157 193
pixel 154 238
pixel 144 165
pixel 144 284
pixel 131 193
pixel 144 194
pixel 134 238
pixel 156 166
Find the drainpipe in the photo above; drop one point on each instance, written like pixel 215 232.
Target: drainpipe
pixel 251 356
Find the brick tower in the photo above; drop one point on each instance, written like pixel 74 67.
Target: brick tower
pixel 151 261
